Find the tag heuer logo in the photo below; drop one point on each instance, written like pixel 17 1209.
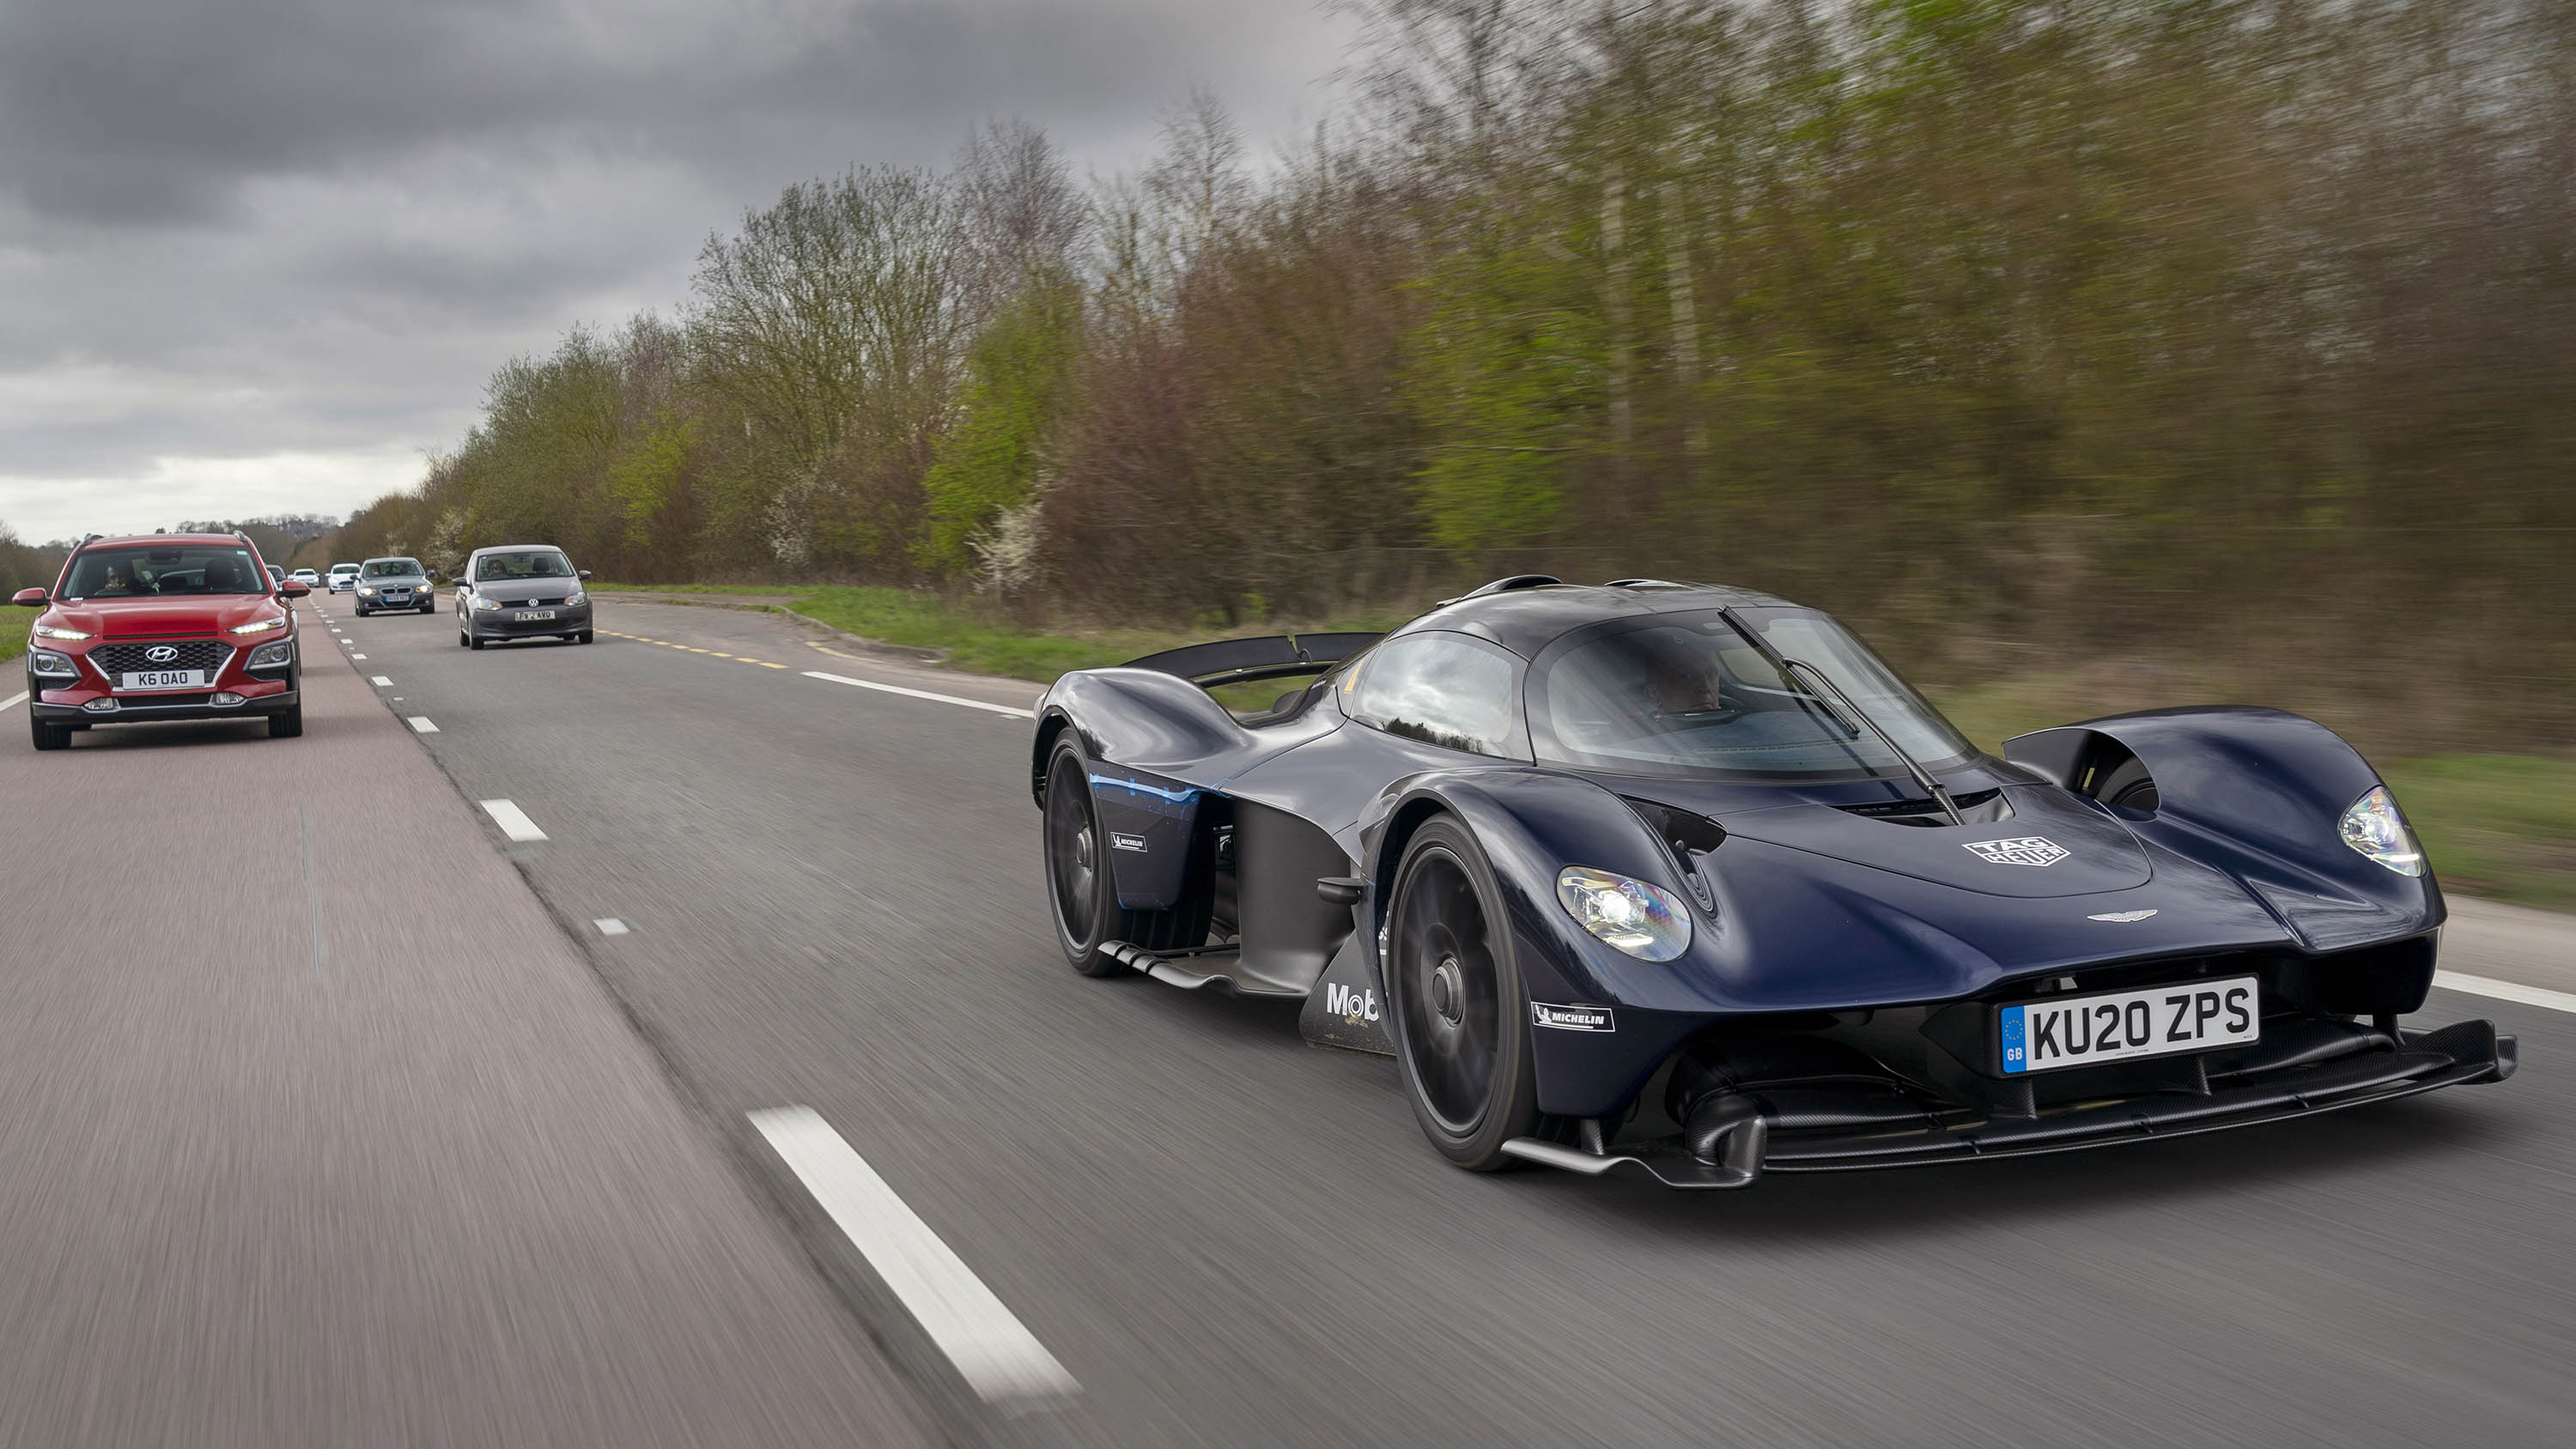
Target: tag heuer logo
pixel 2028 850
pixel 160 654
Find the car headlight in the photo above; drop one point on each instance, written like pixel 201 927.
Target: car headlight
pixel 481 603
pixel 1646 921
pixel 48 631
pixel 52 665
pixel 366 588
pixel 576 597
pixel 2374 827
pixel 258 626
pixel 272 654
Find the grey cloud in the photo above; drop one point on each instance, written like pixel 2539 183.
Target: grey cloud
pixel 253 227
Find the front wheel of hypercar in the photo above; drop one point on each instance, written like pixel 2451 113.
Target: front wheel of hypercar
pixel 1461 1011
pixel 1084 902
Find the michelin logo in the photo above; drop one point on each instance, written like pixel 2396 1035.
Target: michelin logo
pixel 1573 1018
pixel 1351 1006
pixel 1126 842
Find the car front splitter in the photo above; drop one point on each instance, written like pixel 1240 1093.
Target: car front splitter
pixel 2465 1052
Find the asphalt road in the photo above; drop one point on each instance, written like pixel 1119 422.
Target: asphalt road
pixel 831 899
pixel 315 1130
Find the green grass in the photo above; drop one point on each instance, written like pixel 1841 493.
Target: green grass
pixel 2502 826
pixel 13 642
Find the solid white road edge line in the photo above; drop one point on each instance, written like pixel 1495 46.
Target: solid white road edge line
pixel 2507 991
pixel 922 694
pixel 514 822
pixel 422 724
pixel 997 1354
pixel 18 698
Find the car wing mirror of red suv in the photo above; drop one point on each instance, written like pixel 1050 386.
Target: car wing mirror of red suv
pixel 293 590
pixel 30 598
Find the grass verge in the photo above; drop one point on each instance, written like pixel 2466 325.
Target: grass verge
pixel 2502 826
pixel 13 643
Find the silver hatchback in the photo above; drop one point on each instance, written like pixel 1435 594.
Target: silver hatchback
pixel 521 591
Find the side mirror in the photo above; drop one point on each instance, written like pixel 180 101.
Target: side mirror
pixel 293 590
pixel 30 598
pixel 585 573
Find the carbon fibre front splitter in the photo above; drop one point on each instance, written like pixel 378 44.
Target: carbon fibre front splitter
pixel 2465 1052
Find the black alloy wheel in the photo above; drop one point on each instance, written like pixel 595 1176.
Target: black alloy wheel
pixel 1461 1012
pixel 1085 904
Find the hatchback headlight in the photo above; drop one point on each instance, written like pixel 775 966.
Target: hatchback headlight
pixel 258 626
pixel 2374 827
pixel 1646 921
pixel 272 654
pixel 483 603
pixel 49 631
pixel 576 597
pixel 51 665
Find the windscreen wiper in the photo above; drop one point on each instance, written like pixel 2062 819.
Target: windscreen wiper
pixel 1832 693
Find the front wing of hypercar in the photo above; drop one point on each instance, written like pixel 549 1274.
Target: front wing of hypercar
pixel 1844 997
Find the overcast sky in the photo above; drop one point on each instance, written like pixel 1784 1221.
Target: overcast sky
pixel 256 255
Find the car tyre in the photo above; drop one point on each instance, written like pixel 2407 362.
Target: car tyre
pixel 48 736
pixel 429 608
pixel 1460 1010
pixel 581 638
pixel 287 725
pixel 1083 902
pixel 473 640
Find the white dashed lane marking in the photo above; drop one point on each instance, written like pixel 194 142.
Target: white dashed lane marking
pixel 357 656
pixel 514 822
pixel 610 926
pixel 2513 991
pixel 922 694
pixel 423 725
pixel 18 698
pixel 999 1357
pixel 380 682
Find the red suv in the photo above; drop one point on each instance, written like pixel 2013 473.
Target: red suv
pixel 173 626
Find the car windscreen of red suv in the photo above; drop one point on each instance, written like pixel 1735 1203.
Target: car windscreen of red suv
pixel 171 627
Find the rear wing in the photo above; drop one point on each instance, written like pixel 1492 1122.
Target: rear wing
pixel 1239 661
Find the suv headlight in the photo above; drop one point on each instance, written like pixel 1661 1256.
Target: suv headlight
pixel 51 665
pixel 483 603
pixel 272 654
pixel 49 631
pixel 2374 827
pixel 1646 921
pixel 258 626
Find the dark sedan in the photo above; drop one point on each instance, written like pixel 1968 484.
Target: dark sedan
pixel 394 583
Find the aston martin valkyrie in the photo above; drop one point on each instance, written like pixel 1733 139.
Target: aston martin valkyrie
pixel 1685 880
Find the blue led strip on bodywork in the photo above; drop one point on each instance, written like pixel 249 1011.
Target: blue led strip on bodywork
pixel 1181 796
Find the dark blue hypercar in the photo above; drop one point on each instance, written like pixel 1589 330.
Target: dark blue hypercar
pixel 1685 880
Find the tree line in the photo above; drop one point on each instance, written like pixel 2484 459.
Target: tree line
pixel 2020 331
